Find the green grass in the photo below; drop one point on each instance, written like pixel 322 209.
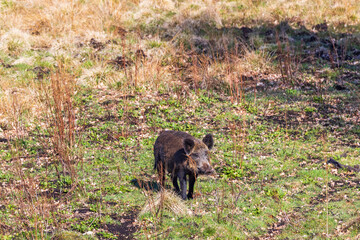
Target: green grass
pixel 282 175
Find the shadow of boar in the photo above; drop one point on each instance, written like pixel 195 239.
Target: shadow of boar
pixel 182 155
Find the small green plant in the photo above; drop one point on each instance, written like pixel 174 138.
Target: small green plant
pixel 88 64
pixel 170 14
pixel 15 46
pixel 106 235
pixel 232 173
pixel 209 231
pixel 318 99
pixel 154 44
pixel 275 193
pixel 292 92
pixel 94 197
pixel 355 130
pixel 86 225
pixel 7 237
pixel 310 109
pixel 7 4
pixel 253 210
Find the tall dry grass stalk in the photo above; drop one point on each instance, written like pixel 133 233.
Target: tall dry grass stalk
pixel 286 63
pixel 239 135
pixel 235 73
pixel 323 140
pixel 58 98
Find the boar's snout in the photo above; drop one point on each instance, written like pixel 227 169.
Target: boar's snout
pixel 206 169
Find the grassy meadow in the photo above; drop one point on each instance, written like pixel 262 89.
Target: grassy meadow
pixel 86 86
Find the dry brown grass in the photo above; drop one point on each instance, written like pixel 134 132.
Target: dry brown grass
pixel 57 27
pixel 306 12
pixel 167 200
pixel 18 104
pixel 77 18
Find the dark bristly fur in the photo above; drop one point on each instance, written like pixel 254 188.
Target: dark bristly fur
pixel 182 155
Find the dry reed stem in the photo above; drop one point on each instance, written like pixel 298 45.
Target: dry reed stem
pixel 58 98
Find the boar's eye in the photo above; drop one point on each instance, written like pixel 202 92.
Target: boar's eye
pixel 195 155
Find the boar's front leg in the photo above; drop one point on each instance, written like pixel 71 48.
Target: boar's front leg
pixel 182 177
pixel 174 178
pixel 160 164
pixel 192 179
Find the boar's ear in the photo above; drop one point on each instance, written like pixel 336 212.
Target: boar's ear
pixel 209 141
pixel 188 145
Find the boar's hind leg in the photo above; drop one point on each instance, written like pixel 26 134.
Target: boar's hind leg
pixel 182 178
pixel 161 172
pixel 160 165
pixel 192 179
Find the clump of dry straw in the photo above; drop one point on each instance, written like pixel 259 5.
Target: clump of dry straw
pixel 166 200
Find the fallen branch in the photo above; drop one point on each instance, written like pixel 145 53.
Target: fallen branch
pixel 336 164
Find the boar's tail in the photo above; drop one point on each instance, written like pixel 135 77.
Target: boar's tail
pixel 156 160
pixel 156 163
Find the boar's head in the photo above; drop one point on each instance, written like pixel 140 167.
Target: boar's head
pixel 198 152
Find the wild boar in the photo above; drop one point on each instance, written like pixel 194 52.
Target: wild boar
pixel 182 155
